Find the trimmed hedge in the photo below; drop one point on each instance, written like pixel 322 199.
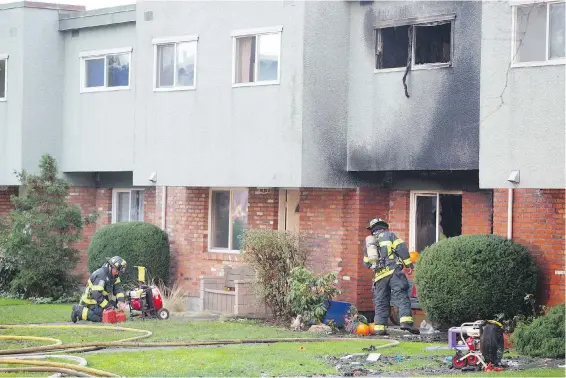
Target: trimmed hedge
pixel 471 277
pixel 544 337
pixel 138 243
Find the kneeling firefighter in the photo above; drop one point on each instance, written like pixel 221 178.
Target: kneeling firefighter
pixel 386 255
pixel 103 291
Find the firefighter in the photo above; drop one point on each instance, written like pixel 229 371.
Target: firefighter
pixel 387 256
pixel 103 291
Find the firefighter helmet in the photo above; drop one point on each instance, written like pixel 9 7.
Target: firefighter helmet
pixel 118 263
pixel 377 223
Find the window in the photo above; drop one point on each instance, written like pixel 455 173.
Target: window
pixel 424 44
pixel 3 77
pixel 257 57
pixel 105 70
pixel 228 219
pixel 175 63
pixel 434 216
pixel 539 33
pixel 127 205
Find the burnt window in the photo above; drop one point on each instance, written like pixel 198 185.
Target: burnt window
pixel 416 44
pixel 432 43
pixel 392 50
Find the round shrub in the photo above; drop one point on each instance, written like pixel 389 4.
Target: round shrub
pixel 139 243
pixel 544 337
pixel 472 277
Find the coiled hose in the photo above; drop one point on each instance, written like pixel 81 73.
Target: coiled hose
pixel 29 356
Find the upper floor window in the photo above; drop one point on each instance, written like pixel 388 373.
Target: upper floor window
pixel 539 32
pixel 127 205
pixel 257 56
pixel 426 43
pixel 175 63
pixel 105 70
pixel 3 77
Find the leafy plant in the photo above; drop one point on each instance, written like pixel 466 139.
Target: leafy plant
pixel 352 319
pixel 309 293
pixel 273 255
pixel 544 337
pixel 139 243
pixel 43 230
pixel 510 323
pixel 474 277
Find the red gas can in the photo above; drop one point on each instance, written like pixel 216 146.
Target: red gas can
pixel 109 316
pixel 120 316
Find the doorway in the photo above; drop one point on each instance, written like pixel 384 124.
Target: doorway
pixel 289 209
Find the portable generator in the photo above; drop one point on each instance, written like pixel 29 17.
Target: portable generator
pixel 485 345
pixel 146 301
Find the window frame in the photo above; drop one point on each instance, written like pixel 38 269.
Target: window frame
pixel 256 33
pixel 418 21
pixel 84 56
pixel 230 228
pixel 5 57
pixel 156 42
pixel 413 211
pixel 115 193
pixel 547 62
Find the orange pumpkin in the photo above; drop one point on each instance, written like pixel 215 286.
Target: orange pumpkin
pixel 414 256
pixel 362 329
pixel 372 328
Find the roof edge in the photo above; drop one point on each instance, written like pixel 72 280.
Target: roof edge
pixel 98 12
pixel 41 5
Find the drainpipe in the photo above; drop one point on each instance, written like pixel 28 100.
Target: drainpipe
pixel 510 214
pixel 163 206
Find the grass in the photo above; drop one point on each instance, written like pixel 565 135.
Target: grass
pixel 12 302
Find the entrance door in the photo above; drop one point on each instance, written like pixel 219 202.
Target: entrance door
pixel 434 216
pixel 289 209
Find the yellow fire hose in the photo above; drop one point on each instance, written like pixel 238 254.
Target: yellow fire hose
pixel 131 342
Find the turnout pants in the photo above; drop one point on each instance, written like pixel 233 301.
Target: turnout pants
pixel 393 287
pixel 92 312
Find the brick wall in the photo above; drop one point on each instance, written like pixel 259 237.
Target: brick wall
pixel 538 224
pixel 399 212
pixel 477 212
pixel 263 208
pixel 5 203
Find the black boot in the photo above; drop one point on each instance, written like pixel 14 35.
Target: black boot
pixel 381 331
pixel 409 327
pixel 76 313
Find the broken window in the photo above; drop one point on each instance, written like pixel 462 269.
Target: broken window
pixel 539 32
pixel 427 43
pixel 431 225
pixel 392 47
pixel 432 43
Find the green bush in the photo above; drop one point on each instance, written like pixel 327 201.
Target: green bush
pixel 139 243
pixel 309 293
pixel 544 337
pixel 273 255
pixel 473 277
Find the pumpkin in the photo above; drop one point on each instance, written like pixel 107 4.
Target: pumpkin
pixel 414 256
pixel 362 329
pixel 372 328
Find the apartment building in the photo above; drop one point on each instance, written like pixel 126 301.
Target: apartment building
pixel 205 118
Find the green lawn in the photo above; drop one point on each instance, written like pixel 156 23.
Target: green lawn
pixel 306 358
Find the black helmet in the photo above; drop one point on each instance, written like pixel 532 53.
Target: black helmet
pixel 118 263
pixel 377 223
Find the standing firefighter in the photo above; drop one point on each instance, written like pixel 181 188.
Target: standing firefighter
pixel 103 292
pixel 386 255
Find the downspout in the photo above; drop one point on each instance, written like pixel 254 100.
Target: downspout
pixel 510 214
pixel 163 206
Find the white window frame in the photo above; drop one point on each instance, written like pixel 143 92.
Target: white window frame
pixel 173 41
pixel 115 202
pixel 547 62
pixel 5 58
pixel 420 21
pixel 210 231
pixel 413 211
pixel 256 33
pixel 97 54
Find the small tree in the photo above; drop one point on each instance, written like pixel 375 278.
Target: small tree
pixel 43 230
pixel 273 255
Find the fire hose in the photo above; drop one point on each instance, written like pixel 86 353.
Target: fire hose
pixel 29 356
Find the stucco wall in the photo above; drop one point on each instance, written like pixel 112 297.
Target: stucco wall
pixel 437 127
pixel 522 112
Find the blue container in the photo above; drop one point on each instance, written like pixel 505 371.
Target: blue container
pixel 335 311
